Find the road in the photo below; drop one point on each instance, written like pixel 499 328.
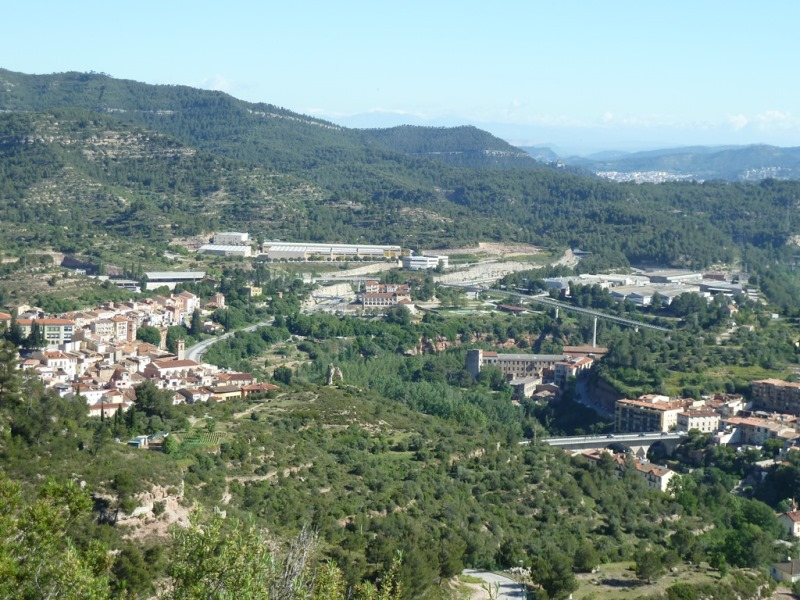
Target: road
pixel 508 588
pixel 196 352
pixel 548 301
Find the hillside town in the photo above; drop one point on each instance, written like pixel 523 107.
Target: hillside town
pixel 94 355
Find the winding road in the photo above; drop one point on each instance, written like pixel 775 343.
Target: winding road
pixel 508 588
pixel 196 352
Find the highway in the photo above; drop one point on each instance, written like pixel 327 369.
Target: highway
pixel 544 299
pixel 548 301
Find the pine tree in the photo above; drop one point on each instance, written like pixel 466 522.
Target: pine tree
pixel 14 333
pixel 194 328
pixel 35 339
pixel 9 374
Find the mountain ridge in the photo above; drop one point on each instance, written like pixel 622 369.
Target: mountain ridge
pixel 276 173
pixel 750 162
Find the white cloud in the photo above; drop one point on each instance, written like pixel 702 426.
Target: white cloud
pixel 769 121
pixel 217 83
pixel 776 119
pixel 400 112
pixel 738 122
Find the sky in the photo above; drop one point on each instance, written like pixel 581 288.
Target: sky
pixel 577 76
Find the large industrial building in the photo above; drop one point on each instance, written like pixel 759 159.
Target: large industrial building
pixel 308 251
pixel 170 279
pixel 512 365
pixel 225 250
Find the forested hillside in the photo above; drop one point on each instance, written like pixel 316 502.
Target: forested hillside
pixel 457 146
pixel 149 162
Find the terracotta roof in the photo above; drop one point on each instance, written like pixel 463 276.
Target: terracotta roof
pixel 509 308
pixel 223 389
pixel 46 321
pixel 700 413
pixel 260 387
pixel 651 468
pixel 661 406
pixel 107 405
pixel 585 349
pixel 236 377
pixel 175 364
pixel 56 354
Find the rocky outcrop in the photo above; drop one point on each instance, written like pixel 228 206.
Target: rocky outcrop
pixel 334 374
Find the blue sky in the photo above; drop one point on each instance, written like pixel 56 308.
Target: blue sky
pixel 583 76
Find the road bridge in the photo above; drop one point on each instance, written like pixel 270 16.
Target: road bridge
pixel 638 442
pixel 558 305
pixel 548 301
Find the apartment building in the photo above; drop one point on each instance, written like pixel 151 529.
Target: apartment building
pixel 776 396
pixel 56 331
pixel 565 369
pixel 649 413
pixel 754 431
pixel 704 421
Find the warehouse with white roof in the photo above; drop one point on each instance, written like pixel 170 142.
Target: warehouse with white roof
pixel 309 251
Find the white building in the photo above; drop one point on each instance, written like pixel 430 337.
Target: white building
pixel 425 261
pixel 791 521
pixel 226 250
pixel 321 252
pixel 380 300
pixel 232 238
pixel 55 331
pixel 704 421
pixel 170 279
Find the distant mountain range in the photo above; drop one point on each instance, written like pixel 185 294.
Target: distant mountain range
pixel 105 167
pixel 697 163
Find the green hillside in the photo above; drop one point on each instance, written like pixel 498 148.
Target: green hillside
pixel 149 162
pixel 457 146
